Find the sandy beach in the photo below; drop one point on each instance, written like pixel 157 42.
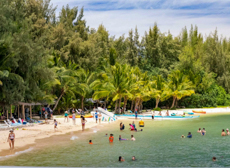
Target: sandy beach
pixel 28 135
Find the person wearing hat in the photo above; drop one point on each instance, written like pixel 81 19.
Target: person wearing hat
pixel 66 116
pixel 11 139
pixel 228 133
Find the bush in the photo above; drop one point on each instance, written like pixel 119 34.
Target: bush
pixel 157 109
pixel 174 108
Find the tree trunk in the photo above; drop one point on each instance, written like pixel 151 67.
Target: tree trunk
pixel 116 107
pixel 137 104
pixel 119 106
pixel 157 102
pixel 176 103
pixel 125 102
pixel 82 103
pixel 141 105
pixel 174 99
pixel 132 105
pixel 58 100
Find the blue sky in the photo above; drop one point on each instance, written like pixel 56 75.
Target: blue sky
pixel 171 15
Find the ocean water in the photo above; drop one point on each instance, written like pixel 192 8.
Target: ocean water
pixel 159 145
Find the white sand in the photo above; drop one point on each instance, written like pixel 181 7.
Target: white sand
pixel 32 133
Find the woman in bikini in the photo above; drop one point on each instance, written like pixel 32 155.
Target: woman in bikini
pixel 11 139
pixel 83 121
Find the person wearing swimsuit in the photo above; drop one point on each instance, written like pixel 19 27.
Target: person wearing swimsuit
pixel 83 121
pixel 111 138
pixel 74 117
pixel 99 117
pixel 66 116
pixel 55 124
pixel 122 139
pixel 11 139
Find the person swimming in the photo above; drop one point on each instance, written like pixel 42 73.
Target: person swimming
pixel 90 142
pixel 121 159
pixel 223 133
pixel 133 158
pixel 189 135
pixel 182 136
pixel 199 130
pixel 132 138
pixel 213 158
pixel 203 132
pixel 122 139
pixel 227 130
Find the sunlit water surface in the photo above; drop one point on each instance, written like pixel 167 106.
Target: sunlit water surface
pixel 159 145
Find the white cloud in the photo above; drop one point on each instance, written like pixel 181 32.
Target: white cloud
pixel 118 22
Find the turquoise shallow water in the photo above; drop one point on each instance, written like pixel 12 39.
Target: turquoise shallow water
pixel 159 145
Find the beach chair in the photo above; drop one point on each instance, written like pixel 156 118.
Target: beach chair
pixel 13 124
pixel 130 111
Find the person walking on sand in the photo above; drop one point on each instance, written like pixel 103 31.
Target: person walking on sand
pixel 66 116
pixel 96 116
pixel 74 118
pixel 99 117
pixel 223 133
pixel 46 117
pixel 83 121
pixel 55 124
pixel 11 139
pixel 135 113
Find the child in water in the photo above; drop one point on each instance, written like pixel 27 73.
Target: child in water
pixel 132 138
pixel 122 139
pixel 90 142
pixel 189 135
pixel 111 138
pixel 133 158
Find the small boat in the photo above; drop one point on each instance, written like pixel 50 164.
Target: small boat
pixel 197 111
pixel 86 116
pixel 189 113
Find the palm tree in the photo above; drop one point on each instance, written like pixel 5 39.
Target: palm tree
pixel 113 83
pixel 158 85
pixel 84 80
pixel 65 81
pixel 178 86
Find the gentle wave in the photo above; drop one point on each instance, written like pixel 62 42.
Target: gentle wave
pixel 16 153
pixel 73 138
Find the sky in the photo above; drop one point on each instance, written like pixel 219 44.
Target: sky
pixel 120 16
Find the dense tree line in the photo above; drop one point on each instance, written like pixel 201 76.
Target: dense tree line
pixel 60 60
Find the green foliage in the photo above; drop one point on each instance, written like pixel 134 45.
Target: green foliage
pixel 48 58
pixel 157 109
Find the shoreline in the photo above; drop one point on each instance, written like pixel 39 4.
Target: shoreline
pixel 27 136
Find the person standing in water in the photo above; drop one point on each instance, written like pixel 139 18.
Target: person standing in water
pixel 74 118
pixel 96 116
pixel 90 142
pixel 111 138
pixel 223 133
pixel 83 121
pixel 99 117
pixel 11 139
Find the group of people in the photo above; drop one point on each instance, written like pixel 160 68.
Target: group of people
pixel 98 116
pixel 203 132
pixel 133 126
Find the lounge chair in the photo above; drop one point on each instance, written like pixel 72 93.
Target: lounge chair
pixel 7 123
